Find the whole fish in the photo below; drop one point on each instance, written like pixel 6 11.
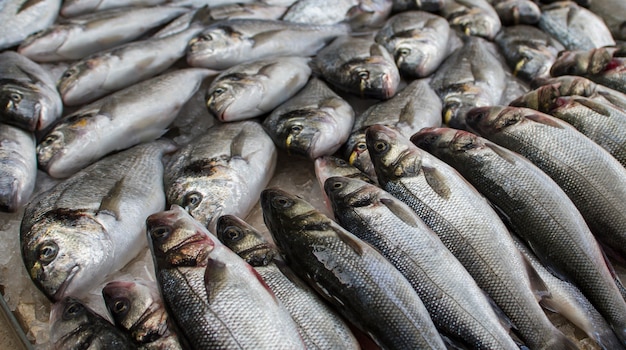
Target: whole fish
pixel 575 27
pixel 18 167
pixel 471 77
pixel 110 70
pixel 359 66
pixel 216 298
pixel 414 107
pixel 529 51
pixel 222 171
pixel 472 17
pixel 357 280
pixel 421 5
pixel 91 224
pixel 313 123
pixel 417 40
pixel 28 94
pixel 231 42
pixel 536 209
pixel 448 291
pixel 358 13
pixel 613 13
pixel 21 18
pixel 81 36
pixel 75 326
pixel 514 12
pixel 469 227
pixel 591 177
pixel 319 326
pixel 571 85
pixel 138 309
pixel 251 89
pixel 73 8
pixel 139 113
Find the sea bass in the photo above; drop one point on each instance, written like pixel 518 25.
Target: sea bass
pixel 18 167
pixel 21 18
pixel 91 224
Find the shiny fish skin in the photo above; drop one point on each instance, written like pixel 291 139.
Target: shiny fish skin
pixel 139 113
pixel 91 224
pixel 329 166
pixel 472 17
pixel 75 327
pixel 362 285
pixel 79 37
pixel 21 18
pixel 216 298
pixel 221 171
pixel 513 12
pixel 358 13
pixel 18 167
pixel 613 13
pixel 138 309
pixel 359 66
pixel 252 89
pixel 313 123
pixel 417 40
pixel 28 95
pixel 73 8
pixel 421 5
pixel 468 226
pixel 448 291
pixel 319 326
pixel 601 65
pixel 231 42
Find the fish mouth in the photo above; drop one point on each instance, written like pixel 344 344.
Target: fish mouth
pixel 58 295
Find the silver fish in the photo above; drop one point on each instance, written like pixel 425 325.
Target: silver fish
pixel 222 171
pixel 513 12
pixel 21 18
pixel 417 40
pixel 329 166
pixel 448 291
pixel 18 167
pixel 73 8
pixel 252 89
pixel 359 66
pixel 313 123
pixel 130 116
pixel 75 326
pixel 358 13
pixel 361 284
pixel 422 5
pixel 216 298
pixel 28 95
pixel 469 227
pixel 79 37
pixel 613 13
pixel 138 309
pixel 231 42
pixel 91 224
pixel 319 326
pixel 472 17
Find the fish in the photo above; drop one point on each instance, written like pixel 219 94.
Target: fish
pixel 417 40
pixel 319 326
pixel 472 76
pixel 107 71
pixel 359 66
pixel 313 123
pixel 91 224
pixel 21 18
pixel 468 226
pixel 358 281
pixel 75 326
pixel 529 51
pixel 570 85
pixel 536 209
pixel 138 113
pixel 514 12
pixel 252 89
pixel 448 291
pixel 235 41
pixel 221 171
pixel 575 27
pixel 414 107
pixel 138 309
pixel 358 13
pixel 329 166
pixel 78 37
pixel 613 13
pixel 73 8
pixel 421 5
pixel 215 297
pixel 18 167
pixel 472 17
pixel 28 95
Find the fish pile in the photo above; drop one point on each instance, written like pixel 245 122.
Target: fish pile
pixel 469 158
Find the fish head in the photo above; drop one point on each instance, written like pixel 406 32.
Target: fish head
pixel 38 46
pixel 214 46
pixel 542 99
pixel 487 121
pixel 308 132
pixel 374 76
pixel 443 141
pixel 345 192
pixel 518 12
pixel 244 240
pixel 232 97
pixel 71 8
pixel 66 316
pixel 474 22
pixel 534 62
pixel 20 105
pixel 177 239
pixel 356 152
pixel 83 80
pixel 417 58
pixel 329 166
pixel 392 154
pixel 55 257
pixel 458 100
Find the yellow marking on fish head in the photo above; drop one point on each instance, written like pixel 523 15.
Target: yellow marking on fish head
pixel 447 116
pixel 353 156
pixel 288 141
pixel 34 271
pixel 81 123
pixel 519 66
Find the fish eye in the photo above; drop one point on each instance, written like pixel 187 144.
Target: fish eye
pixel 15 97
pixel 218 91
pixel 192 200
pixel 71 310
pixel 160 232
pixel 120 307
pixel 282 202
pixel 403 51
pixel 341 162
pixel 68 73
pixel 361 146
pixel 206 37
pixel 296 129
pixel 510 121
pixel 338 185
pixel 49 140
pixel 47 252
pixel 233 234
pixel 381 146
pixel 364 75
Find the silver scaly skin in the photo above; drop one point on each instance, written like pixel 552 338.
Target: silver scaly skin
pixel 329 166
pixel 605 66
pixel 319 326
pixel 613 13
pixel 357 280
pixel 514 12
pixel 21 18
pixel 358 13
pixel 18 167
pixel 472 17
pixel 73 8
pixel 216 298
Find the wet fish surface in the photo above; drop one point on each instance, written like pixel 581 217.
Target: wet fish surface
pixel 514 12
pixel 472 17
pixel 424 5
pixel 357 13
pixel 613 13
pixel 18 167
pixel 73 8
pixel 21 18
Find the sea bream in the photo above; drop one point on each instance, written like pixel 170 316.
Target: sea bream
pixel 18 167
pixel 472 17
pixel 513 12
pixel 90 225
pixel 21 18
pixel 73 8
pixel 358 13
pixel 138 113
pixel 28 95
